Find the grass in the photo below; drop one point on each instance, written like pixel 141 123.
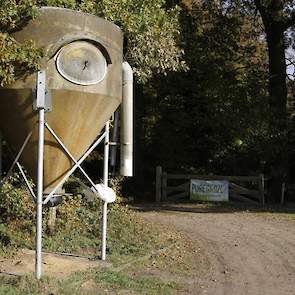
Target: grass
pixel 132 242
pixel 93 282
pixel 143 284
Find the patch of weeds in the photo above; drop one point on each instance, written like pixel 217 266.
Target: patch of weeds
pixel 277 215
pixel 28 285
pixel 75 242
pixel 78 232
pixel 182 257
pixel 18 285
pixel 144 285
pixel 104 280
pixel 7 246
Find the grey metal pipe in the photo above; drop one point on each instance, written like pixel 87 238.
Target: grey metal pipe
pixel 106 154
pixel 126 165
pixel 38 254
pixel 26 181
pixel 105 182
pixel 104 230
pixel 113 147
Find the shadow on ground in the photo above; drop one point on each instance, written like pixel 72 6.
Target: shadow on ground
pixel 209 207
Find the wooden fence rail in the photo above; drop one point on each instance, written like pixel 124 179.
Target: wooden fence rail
pixel 237 186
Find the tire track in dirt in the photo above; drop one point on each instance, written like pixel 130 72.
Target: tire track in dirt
pixel 248 253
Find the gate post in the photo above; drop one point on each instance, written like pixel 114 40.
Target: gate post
pixel 261 189
pixel 158 184
pixel 164 186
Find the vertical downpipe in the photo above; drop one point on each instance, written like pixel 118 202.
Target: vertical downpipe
pixel 113 148
pixel 126 166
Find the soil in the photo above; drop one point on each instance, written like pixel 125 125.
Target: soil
pixel 53 265
pixel 248 252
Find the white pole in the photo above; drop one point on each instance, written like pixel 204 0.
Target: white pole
pixel 106 154
pixel 105 182
pixel 38 257
pixel 104 231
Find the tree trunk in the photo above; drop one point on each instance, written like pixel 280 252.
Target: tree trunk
pixel 278 110
pixel 272 13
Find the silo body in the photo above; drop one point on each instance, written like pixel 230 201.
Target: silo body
pixel 79 110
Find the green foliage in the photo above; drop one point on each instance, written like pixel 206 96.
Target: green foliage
pixel 78 222
pixel 191 121
pixel 151 35
pixel 15 202
pixel 16 215
pixel 77 225
pixel 14 14
pixel 17 59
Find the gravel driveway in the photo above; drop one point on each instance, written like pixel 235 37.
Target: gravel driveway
pixel 249 253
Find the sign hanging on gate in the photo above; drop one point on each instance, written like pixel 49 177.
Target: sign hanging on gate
pixel 209 190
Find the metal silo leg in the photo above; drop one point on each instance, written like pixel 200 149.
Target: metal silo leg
pixel 105 182
pixel 38 259
pixel 40 107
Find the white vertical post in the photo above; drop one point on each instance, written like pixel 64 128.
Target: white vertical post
pixel 126 137
pixel 40 105
pixel 38 257
pixel 106 154
pixel 105 182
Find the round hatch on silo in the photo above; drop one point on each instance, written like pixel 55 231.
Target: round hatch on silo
pixel 82 63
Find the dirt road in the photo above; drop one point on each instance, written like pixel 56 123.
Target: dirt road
pixel 249 253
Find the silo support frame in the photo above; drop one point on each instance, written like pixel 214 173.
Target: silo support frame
pixel 75 166
pixel 105 136
pixel 42 124
pixel 40 169
pixel 26 181
pixel 70 172
pixel 17 163
pixel 105 182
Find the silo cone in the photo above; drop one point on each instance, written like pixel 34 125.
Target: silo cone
pixel 83 64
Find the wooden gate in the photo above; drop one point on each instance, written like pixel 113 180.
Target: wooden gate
pixel 174 187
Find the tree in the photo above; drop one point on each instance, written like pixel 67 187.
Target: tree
pixel 16 59
pixel 151 34
pixel 193 120
pixel 277 17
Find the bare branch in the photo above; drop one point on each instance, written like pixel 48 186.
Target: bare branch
pixel 290 21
